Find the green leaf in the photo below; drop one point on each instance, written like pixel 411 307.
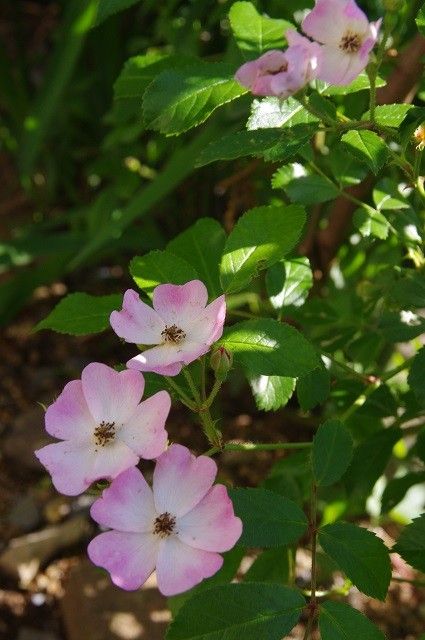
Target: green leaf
pixel 233 611
pixel 180 99
pixel 346 169
pixel 339 621
pixel 360 554
pixel 270 113
pixel 370 459
pixel 270 348
pixel 79 314
pixel 366 146
pixel 361 83
pixel 270 143
pixel 420 20
pixel 269 520
pixel 160 267
pixel 332 452
pixel 272 392
pixel 371 222
pixel 313 388
pixel 288 282
pixel 311 189
pixel 261 237
pixel 107 8
pixel 139 71
pixel 272 565
pixel 411 543
pixel 397 488
pixel 254 33
pixel 416 377
pixel 390 115
pixel 387 197
pixel 409 291
pixel 201 245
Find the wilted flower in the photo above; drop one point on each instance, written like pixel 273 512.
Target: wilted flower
pixel 181 326
pixel 282 73
pixel 347 38
pixel 179 527
pixel 104 427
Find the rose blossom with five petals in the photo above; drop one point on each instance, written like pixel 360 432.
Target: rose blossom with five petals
pixel 181 325
pixel 282 73
pixel 179 527
pixel 347 39
pixel 103 426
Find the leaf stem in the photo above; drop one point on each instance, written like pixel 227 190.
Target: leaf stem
pixel 253 446
pixel 182 394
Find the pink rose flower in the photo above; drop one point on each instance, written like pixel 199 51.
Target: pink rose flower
pixel 179 527
pixel 347 38
pixel 282 73
pixel 181 325
pixel 103 426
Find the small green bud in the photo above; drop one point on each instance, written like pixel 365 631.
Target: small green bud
pixel 221 362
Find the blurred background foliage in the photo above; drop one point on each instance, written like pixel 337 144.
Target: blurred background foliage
pixel 83 181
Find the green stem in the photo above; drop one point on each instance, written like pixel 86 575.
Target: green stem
pixel 216 388
pixel 317 114
pixel 312 607
pixel 253 446
pixel 213 434
pixel 361 399
pixel 183 397
pixel 192 385
pixel 203 379
pixel 352 372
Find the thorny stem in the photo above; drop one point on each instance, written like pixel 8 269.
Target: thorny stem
pixel 317 114
pixel 374 384
pixel 182 394
pixel 216 388
pixel 192 385
pixel 253 446
pixel 312 606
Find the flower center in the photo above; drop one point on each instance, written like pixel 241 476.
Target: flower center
pixel 350 42
pixel 104 433
pixel 283 67
pixel 173 334
pixel 164 525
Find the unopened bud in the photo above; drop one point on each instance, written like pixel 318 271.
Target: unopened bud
pixel 419 136
pixel 221 362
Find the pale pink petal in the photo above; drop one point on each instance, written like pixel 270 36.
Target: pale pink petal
pixel 69 418
pixel 177 303
pixel 130 558
pixel 208 326
pixel 326 23
pixel 340 68
pixel 68 464
pixel 355 17
pixel 180 567
pixel 247 74
pixel 144 432
pixel 127 505
pixel 111 460
pixel 137 322
pixel 181 480
pixel 211 525
pixel 164 359
pixel 112 396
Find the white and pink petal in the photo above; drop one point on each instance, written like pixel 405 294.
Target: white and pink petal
pixel 137 322
pixel 180 567
pixel 130 558
pixel 127 505
pixel 112 396
pixel 177 304
pixel 68 463
pixel 211 525
pixel 69 417
pixel 181 480
pixel 144 432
